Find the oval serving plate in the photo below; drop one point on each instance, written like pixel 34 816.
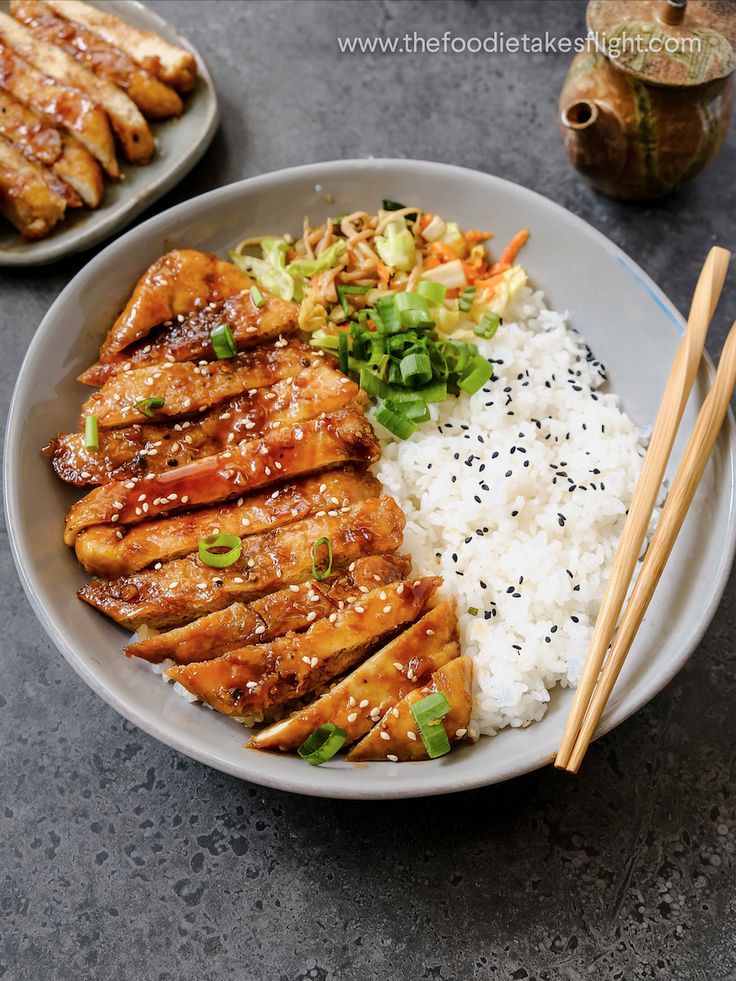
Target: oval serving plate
pixel 625 318
pixel 180 144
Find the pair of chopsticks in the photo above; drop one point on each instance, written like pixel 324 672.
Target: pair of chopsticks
pixel 598 678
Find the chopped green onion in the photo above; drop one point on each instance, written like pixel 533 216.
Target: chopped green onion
pixel 478 374
pixel 388 314
pixel 91 436
pixel 414 409
pixel 396 423
pixel 473 611
pixel 148 406
pixel 416 320
pixel 320 338
pixel 320 574
pixel 466 298
pixel 343 291
pixel 410 301
pixel 371 383
pixel 342 338
pixel 434 393
pixel 219 559
pixel 257 297
pixel 434 292
pixel 427 714
pixel 488 325
pixel 416 369
pixel 322 744
pixel 223 342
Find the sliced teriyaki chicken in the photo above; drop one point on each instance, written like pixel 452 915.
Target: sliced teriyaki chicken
pixel 335 438
pixel 249 682
pixel 187 388
pixel 357 702
pixel 60 104
pixel 182 590
pixel 174 65
pixel 28 198
pixel 131 129
pixel 41 144
pixel 110 551
pixel 135 451
pixel 189 339
pixel 154 99
pixel 285 611
pixel 177 283
pixel 396 737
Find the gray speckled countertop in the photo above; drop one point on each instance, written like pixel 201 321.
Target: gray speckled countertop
pixel 121 859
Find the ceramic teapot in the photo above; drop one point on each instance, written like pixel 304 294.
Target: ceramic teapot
pixel 646 106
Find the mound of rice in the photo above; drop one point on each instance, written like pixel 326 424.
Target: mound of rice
pixel 517 496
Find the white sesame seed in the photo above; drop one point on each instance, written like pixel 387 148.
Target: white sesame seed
pixel 294 589
pixel 359 609
pixel 157 565
pixel 385 735
pixel 184 499
pixel 351 701
pixel 306 659
pixel 251 684
pixel 118 534
pixel 472 735
pixel 238 579
pixel 391 758
pixel 387 609
pixel 129 484
pixel 311 616
pixel 460 733
pixel 429 632
pixel 314 662
pixel 411 735
pixel 260 630
pixel 382 595
pixel 352 717
pixel 398 665
pixel 85 474
pixel 322 488
pixel 363 704
pixel 138 511
pixel 115 518
pixel 395 712
pixel 332 617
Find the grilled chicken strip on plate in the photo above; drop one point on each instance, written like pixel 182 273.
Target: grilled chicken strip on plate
pixel 292 609
pixel 111 551
pixel 134 451
pixel 154 99
pixel 28 197
pixel 357 702
pixel 182 590
pixel 249 682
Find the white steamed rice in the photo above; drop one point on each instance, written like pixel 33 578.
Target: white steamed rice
pixel 517 496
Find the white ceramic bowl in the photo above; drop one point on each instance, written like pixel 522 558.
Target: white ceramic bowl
pixel 625 318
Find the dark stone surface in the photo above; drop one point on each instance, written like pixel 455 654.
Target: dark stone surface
pixel 121 859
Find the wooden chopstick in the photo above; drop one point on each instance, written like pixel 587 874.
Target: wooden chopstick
pixel 676 393
pixel 686 480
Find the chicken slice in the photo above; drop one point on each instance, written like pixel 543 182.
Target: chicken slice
pixel 60 104
pixel 131 129
pixel 332 439
pixel 106 550
pixel 177 283
pixel 189 339
pixel 250 682
pixel 182 590
pixel 396 737
pixel 154 99
pixel 172 64
pixel 285 611
pixel 357 702
pixel 137 450
pixel 187 388
pixel 27 196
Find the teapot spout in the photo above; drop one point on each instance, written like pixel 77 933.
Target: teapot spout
pixel 594 139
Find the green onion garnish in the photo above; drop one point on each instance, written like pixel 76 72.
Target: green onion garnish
pixel 322 744
pixel 414 409
pixel 434 292
pixel 466 299
pixel 427 714
pixel 220 559
pixel 91 437
pixel 320 574
pixel 148 406
pixel 416 320
pixel 416 369
pixel 396 423
pixel 343 351
pixel 223 342
pixel 388 315
pixel 487 326
pixel 344 291
pixel 473 611
pixel 257 297
pixel 478 374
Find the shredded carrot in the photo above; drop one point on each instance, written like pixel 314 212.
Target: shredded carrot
pixel 443 251
pixel 424 221
pixel 511 251
pixel 492 279
pixel 473 237
pixel 384 274
pixel 453 294
pixel 432 262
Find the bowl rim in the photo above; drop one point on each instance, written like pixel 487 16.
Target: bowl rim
pixel 437 781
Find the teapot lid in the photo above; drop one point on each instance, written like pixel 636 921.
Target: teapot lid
pixel 667 42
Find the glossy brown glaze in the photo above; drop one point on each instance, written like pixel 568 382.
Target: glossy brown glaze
pixel 179 282
pixel 154 99
pixel 188 388
pixel 253 680
pixel 107 550
pixel 171 64
pixel 28 198
pixel 61 104
pixel 79 169
pixel 330 440
pixel 367 693
pixel 404 742
pixel 135 451
pixel 182 590
pixel 189 339
pixel 287 610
